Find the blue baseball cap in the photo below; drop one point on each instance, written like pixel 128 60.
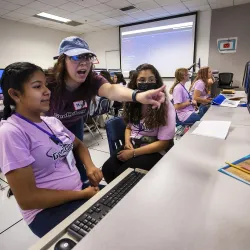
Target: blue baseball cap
pixel 73 46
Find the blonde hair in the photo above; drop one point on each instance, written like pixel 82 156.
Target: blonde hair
pixel 202 75
pixel 179 76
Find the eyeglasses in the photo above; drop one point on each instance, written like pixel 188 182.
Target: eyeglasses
pixel 83 57
pixel 149 80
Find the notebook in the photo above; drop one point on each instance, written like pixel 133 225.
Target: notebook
pixel 215 129
pixel 221 100
pixel 241 173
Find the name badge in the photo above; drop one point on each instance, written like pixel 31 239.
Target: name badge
pixel 71 160
pixel 80 105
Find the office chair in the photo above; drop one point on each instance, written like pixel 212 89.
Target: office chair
pixel 225 81
pixel 115 129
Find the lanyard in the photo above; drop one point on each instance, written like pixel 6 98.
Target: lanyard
pixel 51 136
pixel 190 97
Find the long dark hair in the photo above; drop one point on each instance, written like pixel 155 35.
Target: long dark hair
pixel 120 78
pixel 15 76
pixel 55 78
pixel 132 112
pixel 106 75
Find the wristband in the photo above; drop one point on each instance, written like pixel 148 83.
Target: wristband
pixel 135 92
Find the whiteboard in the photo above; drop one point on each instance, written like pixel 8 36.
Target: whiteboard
pixel 112 59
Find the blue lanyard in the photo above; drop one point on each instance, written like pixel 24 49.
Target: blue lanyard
pixel 190 97
pixel 51 136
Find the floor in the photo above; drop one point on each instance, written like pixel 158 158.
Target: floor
pixel 14 233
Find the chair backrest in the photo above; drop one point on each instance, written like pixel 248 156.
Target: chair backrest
pixel 115 129
pixel 225 78
pixel 102 107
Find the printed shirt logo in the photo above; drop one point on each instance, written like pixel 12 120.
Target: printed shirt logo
pixel 80 105
pixel 62 153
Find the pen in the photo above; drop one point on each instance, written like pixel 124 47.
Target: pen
pixel 235 166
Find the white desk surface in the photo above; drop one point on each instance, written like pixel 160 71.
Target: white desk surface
pixel 183 202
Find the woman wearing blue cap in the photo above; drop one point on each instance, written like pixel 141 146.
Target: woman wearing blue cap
pixel 73 84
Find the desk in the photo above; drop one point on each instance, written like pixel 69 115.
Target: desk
pixel 183 203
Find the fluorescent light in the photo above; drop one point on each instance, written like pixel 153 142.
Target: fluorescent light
pixel 53 17
pixel 166 27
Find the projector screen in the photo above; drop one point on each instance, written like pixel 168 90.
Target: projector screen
pixel 167 44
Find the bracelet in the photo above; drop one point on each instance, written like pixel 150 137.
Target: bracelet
pixel 135 92
pixel 134 154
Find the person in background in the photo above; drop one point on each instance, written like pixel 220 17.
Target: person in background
pixel 149 132
pixel 36 152
pixel 200 89
pixel 131 72
pixel 184 105
pixel 107 76
pixel 73 84
pixel 119 79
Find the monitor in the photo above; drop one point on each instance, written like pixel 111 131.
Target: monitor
pixel 248 100
pixel 1 72
pixel 246 78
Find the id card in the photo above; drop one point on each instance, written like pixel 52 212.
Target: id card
pixel 71 160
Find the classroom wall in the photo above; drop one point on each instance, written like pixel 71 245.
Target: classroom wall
pixel 25 42
pixel 231 22
pixel 108 40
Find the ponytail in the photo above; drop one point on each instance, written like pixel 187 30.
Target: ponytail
pixel 179 76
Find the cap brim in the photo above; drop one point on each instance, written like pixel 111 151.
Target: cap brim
pixel 76 52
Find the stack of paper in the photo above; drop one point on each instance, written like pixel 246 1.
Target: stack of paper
pixel 215 129
pixel 221 100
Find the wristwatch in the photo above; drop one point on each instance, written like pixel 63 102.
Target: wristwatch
pixel 135 92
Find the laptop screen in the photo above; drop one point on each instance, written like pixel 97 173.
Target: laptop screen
pixel 1 72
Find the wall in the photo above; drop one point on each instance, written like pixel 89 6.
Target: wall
pixel 25 42
pixel 108 40
pixel 231 22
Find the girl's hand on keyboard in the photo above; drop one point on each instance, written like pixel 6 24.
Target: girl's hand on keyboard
pixel 89 192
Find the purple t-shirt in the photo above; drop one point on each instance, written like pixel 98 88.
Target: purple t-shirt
pixel 22 144
pixel 180 95
pixel 162 133
pixel 199 85
pixel 69 107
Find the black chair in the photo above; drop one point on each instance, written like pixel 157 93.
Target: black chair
pixel 225 81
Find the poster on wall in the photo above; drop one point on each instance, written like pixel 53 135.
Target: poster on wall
pixel 227 45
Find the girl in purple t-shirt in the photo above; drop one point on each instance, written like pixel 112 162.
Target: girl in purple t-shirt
pixel 200 89
pixel 36 152
pixel 149 132
pixel 183 103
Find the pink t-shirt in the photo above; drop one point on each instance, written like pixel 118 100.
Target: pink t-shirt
pixel 162 133
pixel 199 85
pixel 22 144
pixel 180 95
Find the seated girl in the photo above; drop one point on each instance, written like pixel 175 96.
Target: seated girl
pixel 36 152
pixel 200 89
pixel 149 133
pixel 183 103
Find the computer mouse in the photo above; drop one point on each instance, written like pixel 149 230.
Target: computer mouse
pixel 64 244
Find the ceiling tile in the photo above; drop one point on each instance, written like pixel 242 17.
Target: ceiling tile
pixel 118 4
pixel 168 2
pixel 147 5
pixel 195 3
pixel 86 12
pixel 54 2
pixel 137 1
pixel 112 13
pixel 237 2
pixel 9 6
pixel 111 21
pixel 97 23
pixel 15 15
pixel 200 8
pixel 20 2
pixel 98 17
pixel 39 6
pixel 86 3
pixel 71 7
pixel 141 15
pixel 2 12
pixel 220 3
pixel 27 11
pixel 79 18
pixel 178 8
pixel 103 1
pixel 58 12
pixel 157 11
pixel 101 8
pixel 126 19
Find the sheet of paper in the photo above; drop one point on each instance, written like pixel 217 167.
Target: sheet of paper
pixel 215 129
pixel 230 103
